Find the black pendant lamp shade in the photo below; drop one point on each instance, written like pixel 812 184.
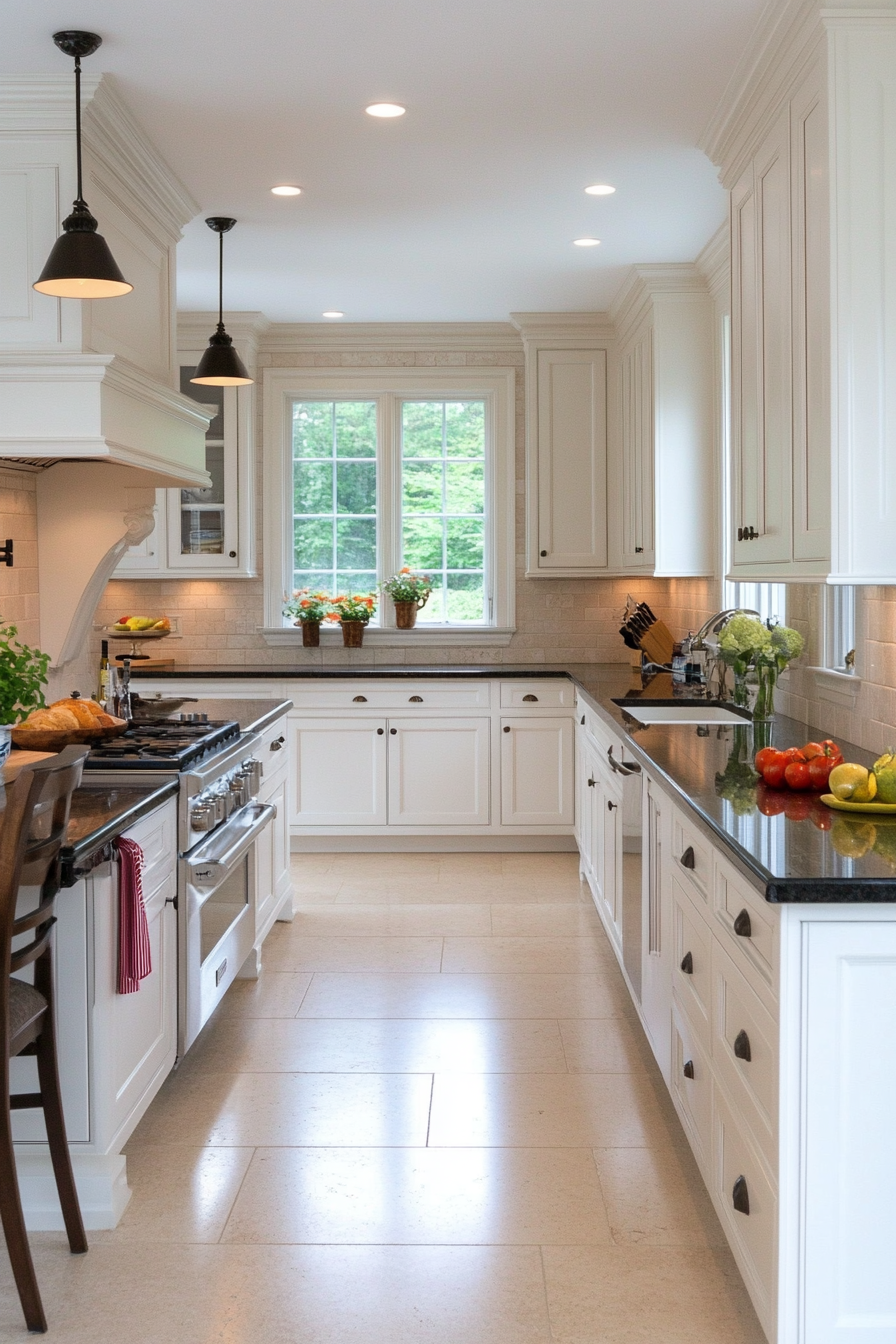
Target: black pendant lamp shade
pixel 221 366
pixel 80 265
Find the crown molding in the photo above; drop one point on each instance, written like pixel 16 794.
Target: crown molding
pixel 714 262
pixel 643 284
pixel 578 327
pixel 280 337
pixel 34 106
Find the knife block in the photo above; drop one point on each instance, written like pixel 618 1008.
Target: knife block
pixel 657 643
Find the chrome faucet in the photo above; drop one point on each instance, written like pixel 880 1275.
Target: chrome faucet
pixel 718 622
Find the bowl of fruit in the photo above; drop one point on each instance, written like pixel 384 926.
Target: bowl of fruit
pixel 138 628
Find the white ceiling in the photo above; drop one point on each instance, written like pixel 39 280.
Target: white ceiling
pixel 462 210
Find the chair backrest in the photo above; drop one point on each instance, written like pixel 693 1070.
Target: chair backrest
pixel 32 830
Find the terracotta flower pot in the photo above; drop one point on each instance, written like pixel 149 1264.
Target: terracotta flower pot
pixel 353 633
pixel 310 634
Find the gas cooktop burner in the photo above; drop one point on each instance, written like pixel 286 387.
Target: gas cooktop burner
pixel 163 743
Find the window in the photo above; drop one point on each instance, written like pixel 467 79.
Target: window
pixel 839 626
pixel 769 599
pixel 369 471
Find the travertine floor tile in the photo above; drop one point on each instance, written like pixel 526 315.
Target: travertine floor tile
pixel 180 1193
pixel 270 1109
pixel 656 1198
pixel 569 920
pixel 604 1045
pixel 272 995
pixel 647 1295
pixel 126 1294
pixel 313 1045
pixel 420 1196
pixel 545 1111
pixel 354 954
pixel 501 953
pixel 356 921
pixel 469 996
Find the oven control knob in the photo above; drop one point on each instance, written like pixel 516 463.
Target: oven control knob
pixel 202 815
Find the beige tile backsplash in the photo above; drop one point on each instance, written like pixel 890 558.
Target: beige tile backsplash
pixel 561 620
pixel 19 584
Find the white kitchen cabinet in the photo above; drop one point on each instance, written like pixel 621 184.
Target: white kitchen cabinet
pixel 337 771
pixel 439 772
pixel 656 925
pixel 206 533
pixel 807 148
pixel 568 418
pixel 537 775
pixel 662 478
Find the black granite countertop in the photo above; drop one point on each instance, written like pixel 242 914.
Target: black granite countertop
pixel 102 812
pixel 789 843
pixel 253 716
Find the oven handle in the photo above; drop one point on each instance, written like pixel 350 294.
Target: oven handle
pixel 211 871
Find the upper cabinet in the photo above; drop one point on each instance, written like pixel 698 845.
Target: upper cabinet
pixel 568 414
pixel 662 472
pixel 807 149
pixel 208 532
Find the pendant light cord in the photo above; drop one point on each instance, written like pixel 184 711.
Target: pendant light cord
pixel 221 281
pixel 80 199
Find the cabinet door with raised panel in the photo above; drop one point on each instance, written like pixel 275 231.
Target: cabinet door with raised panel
pixel 761 389
pixel 537 772
pixel 636 416
pixel 570 466
pixel 338 772
pixel 439 772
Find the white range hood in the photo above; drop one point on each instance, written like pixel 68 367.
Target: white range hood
pixel 88 389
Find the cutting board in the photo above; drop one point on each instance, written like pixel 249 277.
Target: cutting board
pixel 18 759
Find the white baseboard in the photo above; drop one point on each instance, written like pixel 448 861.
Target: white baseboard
pixel 103 1190
pixel 433 844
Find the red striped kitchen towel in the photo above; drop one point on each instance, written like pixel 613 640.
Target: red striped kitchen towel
pixel 134 959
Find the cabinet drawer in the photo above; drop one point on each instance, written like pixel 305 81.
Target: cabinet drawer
pixel 748 928
pixel 739 1174
pixel 157 837
pixel 745 1047
pixel 691 961
pixel 528 694
pixel 692 1088
pixel 372 695
pixel 692 855
pixel 273 750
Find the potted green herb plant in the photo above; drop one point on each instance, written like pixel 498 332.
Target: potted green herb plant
pixel 308 610
pixel 23 675
pixel 409 592
pixel 353 612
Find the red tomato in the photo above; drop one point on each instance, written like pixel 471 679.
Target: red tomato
pixel 773 774
pixel 770 801
pixel 820 770
pixel 765 757
pixel 830 748
pixel 794 754
pixel 797 806
pixel 813 749
pixel 796 773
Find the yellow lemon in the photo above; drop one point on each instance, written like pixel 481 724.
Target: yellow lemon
pixel 852 783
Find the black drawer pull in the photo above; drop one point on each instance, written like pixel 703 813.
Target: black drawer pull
pixel 359 699
pixel 687 964
pixel 688 859
pixel 742 1046
pixel 740 1196
pixel 533 699
pixel 582 720
pixel 611 805
pixel 638 550
pixel 742 926
pixel 415 700
pixel 393 731
pixel 688 1069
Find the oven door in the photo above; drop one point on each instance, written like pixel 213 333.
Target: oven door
pixel 216 916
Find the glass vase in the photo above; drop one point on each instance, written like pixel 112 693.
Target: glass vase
pixel 767 680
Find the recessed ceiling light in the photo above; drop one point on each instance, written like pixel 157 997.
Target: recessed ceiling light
pixel 286 191
pixel 385 110
pixel 332 313
pixel 586 242
pixel 600 189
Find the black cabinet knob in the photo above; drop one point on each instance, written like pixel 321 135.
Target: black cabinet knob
pixel 507 728
pixel 380 731
pixel 544 553
pixel 688 1069
pixel 742 926
pixel 742 1047
pixel 393 731
pixel 687 859
pixel 591 783
pixel 740 1196
pixel 687 964
pixel 232 554
pixel 611 805
pixel 639 550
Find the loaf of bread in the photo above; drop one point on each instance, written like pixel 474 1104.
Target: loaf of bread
pixel 56 718
pixel 83 715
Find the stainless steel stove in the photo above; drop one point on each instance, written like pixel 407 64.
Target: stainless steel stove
pixel 219 819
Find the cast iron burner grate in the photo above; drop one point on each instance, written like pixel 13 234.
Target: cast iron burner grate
pixel 163 743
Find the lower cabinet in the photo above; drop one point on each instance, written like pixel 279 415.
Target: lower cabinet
pixel 338 772
pixel 600 815
pixel 537 775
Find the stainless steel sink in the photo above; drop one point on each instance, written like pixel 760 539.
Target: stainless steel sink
pixel 691 713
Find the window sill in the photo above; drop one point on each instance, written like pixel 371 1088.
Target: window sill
pixel 441 637
pixel 838 688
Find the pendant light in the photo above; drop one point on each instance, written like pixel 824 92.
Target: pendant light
pixel 80 265
pixel 221 366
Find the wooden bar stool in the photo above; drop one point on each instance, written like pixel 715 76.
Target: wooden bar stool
pixel 32 829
